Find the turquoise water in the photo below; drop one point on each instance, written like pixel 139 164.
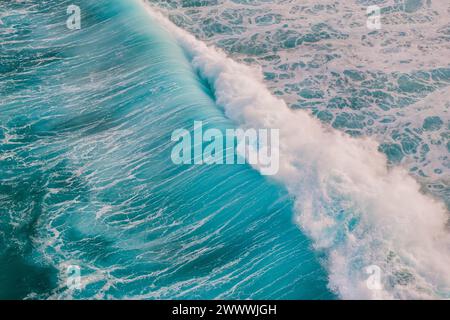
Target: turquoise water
pixel 86 177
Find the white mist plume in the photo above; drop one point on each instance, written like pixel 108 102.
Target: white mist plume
pixel 353 207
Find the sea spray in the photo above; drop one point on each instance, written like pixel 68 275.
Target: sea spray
pixel 353 206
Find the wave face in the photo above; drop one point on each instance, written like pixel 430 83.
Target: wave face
pixel 357 210
pixel 86 178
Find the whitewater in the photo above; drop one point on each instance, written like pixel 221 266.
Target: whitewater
pixel 357 210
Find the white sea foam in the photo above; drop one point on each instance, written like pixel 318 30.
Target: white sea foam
pixel 352 205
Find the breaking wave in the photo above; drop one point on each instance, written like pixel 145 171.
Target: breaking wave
pixel 355 208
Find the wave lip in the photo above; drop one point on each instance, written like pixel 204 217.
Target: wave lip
pixel 357 210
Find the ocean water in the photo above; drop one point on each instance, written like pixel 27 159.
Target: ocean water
pixel 391 84
pixel 86 178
